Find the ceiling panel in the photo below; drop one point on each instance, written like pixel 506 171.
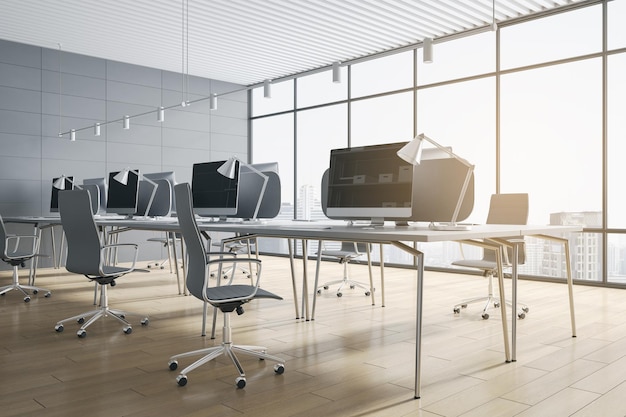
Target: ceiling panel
pixel 247 41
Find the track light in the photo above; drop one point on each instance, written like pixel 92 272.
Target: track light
pixel 336 72
pixel 267 89
pixel 96 129
pixel 73 135
pixel 213 102
pixel 126 124
pixel 161 114
pixel 428 50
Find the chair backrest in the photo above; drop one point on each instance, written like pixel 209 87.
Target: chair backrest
pixel 3 239
pixel 357 247
pixel 196 251
pixel 508 209
pixel 83 239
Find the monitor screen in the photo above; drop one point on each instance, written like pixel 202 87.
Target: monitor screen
pixel 54 200
pixel 214 194
pixel 102 189
pixel 370 183
pixel 122 199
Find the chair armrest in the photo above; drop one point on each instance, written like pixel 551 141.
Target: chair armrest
pixel 233 262
pixel 106 249
pixel 18 238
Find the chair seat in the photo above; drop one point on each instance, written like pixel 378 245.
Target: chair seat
pixel 226 292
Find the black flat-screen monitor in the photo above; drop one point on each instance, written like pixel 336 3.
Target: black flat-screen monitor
pixel 102 190
pixel 214 195
pixel 369 182
pixel 54 200
pixel 122 199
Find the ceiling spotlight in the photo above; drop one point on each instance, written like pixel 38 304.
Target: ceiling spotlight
pixel 213 102
pixel 73 135
pixel 267 89
pixel 428 50
pixel 161 114
pixel 126 124
pixel 96 129
pixel 336 72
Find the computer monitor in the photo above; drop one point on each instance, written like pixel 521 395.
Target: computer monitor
pixel 370 183
pixel 250 185
pixel 54 200
pixel 122 199
pixel 159 204
pixel 214 195
pixel 102 190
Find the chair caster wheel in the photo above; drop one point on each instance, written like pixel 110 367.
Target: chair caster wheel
pixel 496 305
pixel 128 330
pixel 173 365
pixel 279 368
pixel 521 316
pixel 81 334
pixel 181 380
pixel 145 321
pixel 463 305
pixel 319 292
pixel 27 299
pixel 351 287
pixel 35 291
pixel 525 309
pixel 240 382
pixel 59 328
pixel 367 293
pixel 325 287
pixel 48 294
pixel 80 320
pixel 162 267
pixel 339 294
pixel 456 310
pixel 485 316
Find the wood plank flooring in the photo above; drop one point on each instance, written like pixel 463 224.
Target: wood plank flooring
pixel 354 359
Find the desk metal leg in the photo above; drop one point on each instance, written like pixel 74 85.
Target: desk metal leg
pixel 369 268
pixel 318 263
pixel 293 278
pixel 382 275
pixel 305 281
pixel 418 312
pixel 514 301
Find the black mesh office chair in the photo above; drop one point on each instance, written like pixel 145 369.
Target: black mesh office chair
pixel 503 209
pixel 227 298
pixel 12 253
pixel 86 255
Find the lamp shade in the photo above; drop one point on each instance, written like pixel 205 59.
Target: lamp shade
pixel 412 151
pixel 122 176
pixel 59 184
pixel 228 168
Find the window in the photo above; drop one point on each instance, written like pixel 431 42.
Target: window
pixel 394 72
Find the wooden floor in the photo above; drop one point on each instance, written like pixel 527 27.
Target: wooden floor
pixel 355 359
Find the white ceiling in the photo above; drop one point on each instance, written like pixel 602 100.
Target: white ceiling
pixel 247 41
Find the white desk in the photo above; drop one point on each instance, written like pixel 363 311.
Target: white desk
pixel 393 235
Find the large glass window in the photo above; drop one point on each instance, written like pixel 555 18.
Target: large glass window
pixel 319 130
pixel 385 74
pixel 616 29
pixel 383 119
pixel 616 143
pixel 560 36
pixel 551 139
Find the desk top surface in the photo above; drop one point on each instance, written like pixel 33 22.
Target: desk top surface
pixel 335 230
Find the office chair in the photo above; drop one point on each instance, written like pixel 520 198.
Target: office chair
pixel 348 252
pixel 226 298
pixel 503 209
pixel 86 255
pixel 17 257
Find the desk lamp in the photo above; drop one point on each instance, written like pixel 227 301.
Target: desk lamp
pixel 122 178
pixel 59 184
pixel 412 153
pixel 228 170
